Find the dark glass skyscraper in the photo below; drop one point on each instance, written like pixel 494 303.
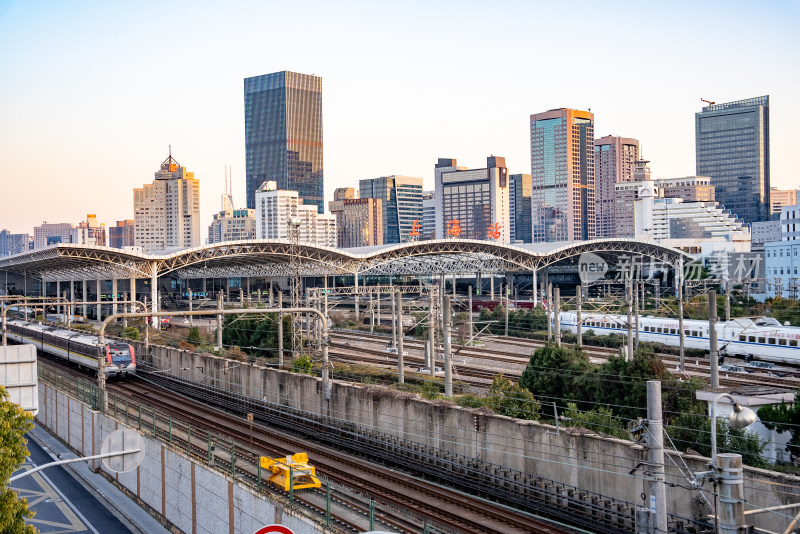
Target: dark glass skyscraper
pixel 732 147
pixel 283 134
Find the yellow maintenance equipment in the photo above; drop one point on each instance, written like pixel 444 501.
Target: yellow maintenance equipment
pixel 291 472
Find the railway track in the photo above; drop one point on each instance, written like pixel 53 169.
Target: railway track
pixel 789 377
pixel 457 511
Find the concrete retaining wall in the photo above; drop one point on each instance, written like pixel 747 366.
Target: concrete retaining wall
pixel 184 494
pixel 575 457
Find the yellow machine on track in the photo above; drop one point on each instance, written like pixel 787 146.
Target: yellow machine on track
pixel 291 472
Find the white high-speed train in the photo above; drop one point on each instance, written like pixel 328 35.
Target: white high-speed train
pixel 763 338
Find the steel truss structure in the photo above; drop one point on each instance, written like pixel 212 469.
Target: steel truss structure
pixel 265 258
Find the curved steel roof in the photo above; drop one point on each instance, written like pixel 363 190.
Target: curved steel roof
pixel 274 258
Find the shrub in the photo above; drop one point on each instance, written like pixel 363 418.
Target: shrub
pixel 131 332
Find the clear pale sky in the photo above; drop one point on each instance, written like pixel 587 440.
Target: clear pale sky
pixel 92 93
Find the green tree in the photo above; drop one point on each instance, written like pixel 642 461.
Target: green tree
pixel 784 417
pixel 693 431
pixel 14 423
pixel 194 336
pixel 257 336
pixel 507 398
pixel 555 372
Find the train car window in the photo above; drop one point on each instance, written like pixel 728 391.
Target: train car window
pixel 646 328
pixel 760 339
pixel 751 339
pixel 792 342
pixel 673 331
pixel 771 341
pixel 782 342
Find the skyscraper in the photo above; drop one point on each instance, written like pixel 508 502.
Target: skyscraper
pixel 166 213
pixel 520 202
pixel 614 162
pixel 732 147
pixel 562 175
pixel 283 134
pixel 402 204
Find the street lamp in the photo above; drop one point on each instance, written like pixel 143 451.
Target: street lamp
pixel 729 475
pixel 741 417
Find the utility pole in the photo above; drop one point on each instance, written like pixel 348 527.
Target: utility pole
pixel 394 321
pixel 728 300
pixel 400 362
pixel 507 306
pixel 549 311
pixel 578 318
pixel 280 328
pixel 713 353
pixel 448 371
pixel 629 299
pixel 469 315
pixel 655 457
pixel 557 314
pixel 371 315
pixel 636 314
pixel 219 322
pixel 680 323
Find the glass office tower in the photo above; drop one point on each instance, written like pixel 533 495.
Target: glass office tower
pixel 562 175
pixel 402 204
pixel 283 134
pixel 732 147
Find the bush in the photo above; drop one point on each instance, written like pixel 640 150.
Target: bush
pixel 194 336
pixel 132 333
pixel 302 365
pixel 183 345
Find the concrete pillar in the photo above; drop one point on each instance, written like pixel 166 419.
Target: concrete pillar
pixel 491 287
pixel 371 314
pixel 549 312
pixel 400 362
pixel 58 293
pixel 454 286
pixel 355 285
pixel 280 328
pixel 713 354
pixel 629 305
pixel 126 308
pixel 432 298
pixel 99 315
pixel 448 371
pixel 378 296
pixel 154 294
pixel 85 299
pixel 557 314
pixel 469 315
pixel 219 321
pixel 578 315
pixel 270 294
pixel 535 290
pixel 731 493
pixel 655 456
pixel 133 289
pixel 114 290
pixel 394 320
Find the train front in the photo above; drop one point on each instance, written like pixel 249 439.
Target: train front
pixel 120 360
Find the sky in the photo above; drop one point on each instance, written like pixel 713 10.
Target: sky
pixel 92 94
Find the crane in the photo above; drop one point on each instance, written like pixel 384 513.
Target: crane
pixel 709 102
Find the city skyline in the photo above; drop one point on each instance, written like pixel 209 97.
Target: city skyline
pixel 96 117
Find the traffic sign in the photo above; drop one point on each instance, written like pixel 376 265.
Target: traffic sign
pixel 274 529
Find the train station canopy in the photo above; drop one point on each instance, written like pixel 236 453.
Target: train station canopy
pixel 263 258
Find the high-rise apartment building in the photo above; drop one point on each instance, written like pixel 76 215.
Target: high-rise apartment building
pixel 520 205
pixel 732 147
pixel 402 204
pixel 121 235
pixel 614 162
pixel 562 175
pixel 779 198
pixel 283 134
pixel 11 244
pixel 475 201
pixel 230 224
pixel 276 209
pixel 166 213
